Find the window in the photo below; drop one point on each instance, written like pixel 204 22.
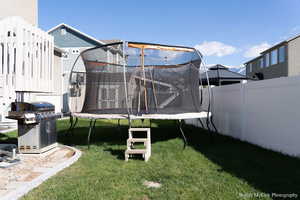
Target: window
pixel 274 57
pixel 267 60
pixel 282 54
pixel 65 56
pixel 75 51
pixel 261 63
pixel 108 97
pixel 63 31
pixel 250 67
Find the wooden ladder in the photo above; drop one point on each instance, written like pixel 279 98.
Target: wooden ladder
pixel 146 152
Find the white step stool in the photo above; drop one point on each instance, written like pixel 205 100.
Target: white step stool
pixel 147 143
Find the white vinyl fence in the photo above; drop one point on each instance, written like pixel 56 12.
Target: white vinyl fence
pixel 265 113
pixel 26 59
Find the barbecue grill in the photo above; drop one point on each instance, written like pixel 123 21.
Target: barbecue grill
pixel 36 126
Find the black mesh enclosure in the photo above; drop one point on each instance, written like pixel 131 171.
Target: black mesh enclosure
pixel 136 78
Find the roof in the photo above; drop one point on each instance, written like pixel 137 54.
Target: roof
pixel 218 66
pixel 110 41
pixel 75 30
pixel 221 72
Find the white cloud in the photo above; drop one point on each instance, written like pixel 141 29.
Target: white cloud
pixel 255 50
pixel 215 48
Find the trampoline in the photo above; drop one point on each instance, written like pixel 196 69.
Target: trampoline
pixel 136 81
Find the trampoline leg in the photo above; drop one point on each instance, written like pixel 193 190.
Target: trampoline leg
pixel 129 123
pixel 182 133
pixel 90 132
pixel 71 124
pixel 211 136
pixel 213 124
pixel 75 123
pixel 94 125
pixel 201 123
pixel 119 126
pixel 142 120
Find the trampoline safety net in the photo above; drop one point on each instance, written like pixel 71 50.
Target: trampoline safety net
pixel 136 78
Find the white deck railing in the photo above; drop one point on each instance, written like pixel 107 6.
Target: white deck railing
pixel 26 56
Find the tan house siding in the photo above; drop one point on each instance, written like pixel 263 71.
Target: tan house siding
pixel 294 57
pixel 27 9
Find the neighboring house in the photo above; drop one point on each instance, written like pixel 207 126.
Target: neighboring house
pixel 221 75
pixel 27 9
pixel 280 60
pixel 73 42
pixel 30 65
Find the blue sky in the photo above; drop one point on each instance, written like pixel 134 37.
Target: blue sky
pixel 228 32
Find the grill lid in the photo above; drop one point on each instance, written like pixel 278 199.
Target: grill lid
pixel 43 106
pixel 32 107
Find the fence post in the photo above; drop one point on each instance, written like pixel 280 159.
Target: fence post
pixel 243 109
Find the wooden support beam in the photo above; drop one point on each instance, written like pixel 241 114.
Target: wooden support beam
pixel 159 47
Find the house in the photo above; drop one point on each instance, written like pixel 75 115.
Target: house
pixel 221 75
pixel 73 42
pixel 28 10
pixel 280 60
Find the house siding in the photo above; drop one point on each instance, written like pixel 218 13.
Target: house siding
pixel 272 71
pixel 27 9
pixel 294 57
pixel 71 39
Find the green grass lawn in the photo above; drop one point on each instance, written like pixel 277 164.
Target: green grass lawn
pixel 220 169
